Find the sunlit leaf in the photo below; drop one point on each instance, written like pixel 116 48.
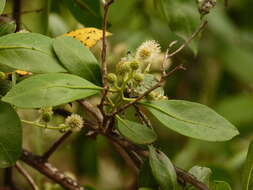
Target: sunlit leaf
pixel 29 52
pixel 52 89
pixel 192 119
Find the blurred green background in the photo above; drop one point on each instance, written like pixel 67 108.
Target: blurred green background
pixel 219 74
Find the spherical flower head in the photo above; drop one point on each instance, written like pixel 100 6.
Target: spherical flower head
pixel 134 65
pixel 47 114
pixel 147 51
pixel 123 67
pixel 138 77
pixel 111 77
pixel 75 122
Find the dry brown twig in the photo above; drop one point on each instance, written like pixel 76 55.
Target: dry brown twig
pixel 103 57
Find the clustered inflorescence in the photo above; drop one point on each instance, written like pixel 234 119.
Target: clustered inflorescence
pixel 132 75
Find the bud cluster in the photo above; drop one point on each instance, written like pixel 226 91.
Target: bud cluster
pixel 205 6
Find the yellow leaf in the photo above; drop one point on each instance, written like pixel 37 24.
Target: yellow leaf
pixel 88 36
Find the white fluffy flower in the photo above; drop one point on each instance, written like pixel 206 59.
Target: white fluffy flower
pixel 75 122
pixel 147 51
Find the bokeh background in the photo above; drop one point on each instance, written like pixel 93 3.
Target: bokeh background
pixel 219 74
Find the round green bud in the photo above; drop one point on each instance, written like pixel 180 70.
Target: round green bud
pixel 138 77
pixel 134 65
pixel 152 96
pixel 46 117
pixel 3 76
pixel 123 67
pixel 47 114
pixel 111 77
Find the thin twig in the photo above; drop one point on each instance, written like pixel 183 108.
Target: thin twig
pixel 50 171
pixel 187 177
pixel 92 110
pixel 56 145
pixel 159 84
pixel 125 156
pixel 182 175
pixel 143 117
pixel 193 36
pixel 103 57
pixel 23 172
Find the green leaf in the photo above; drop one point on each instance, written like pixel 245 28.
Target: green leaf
pixel 10 136
pixel 162 169
pixel 192 119
pixel 220 185
pixel 203 174
pixel 52 89
pixel 86 12
pixel 145 188
pixel 2 5
pixel 135 132
pixel 30 52
pixel 146 177
pixel 7 28
pixel 77 58
pixel 247 177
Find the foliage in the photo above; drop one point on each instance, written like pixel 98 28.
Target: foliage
pixel 117 93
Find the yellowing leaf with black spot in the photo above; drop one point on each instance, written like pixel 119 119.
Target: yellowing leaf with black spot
pixel 88 36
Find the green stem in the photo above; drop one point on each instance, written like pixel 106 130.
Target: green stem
pixel 44 126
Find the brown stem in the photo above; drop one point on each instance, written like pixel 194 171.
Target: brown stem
pixel 183 176
pixel 187 177
pixel 143 117
pixel 103 57
pixel 125 155
pixel 193 36
pixel 50 171
pixel 93 111
pixel 56 145
pixel 17 13
pixel 23 172
pixel 159 84
pixel 8 180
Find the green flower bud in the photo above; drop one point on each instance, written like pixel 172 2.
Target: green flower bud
pixel 123 67
pixel 152 96
pixel 75 122
pixel 46 117
pixel 111 77
pixel 138 77
pixel 3 76
pixel 134 65
pixel 47 114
